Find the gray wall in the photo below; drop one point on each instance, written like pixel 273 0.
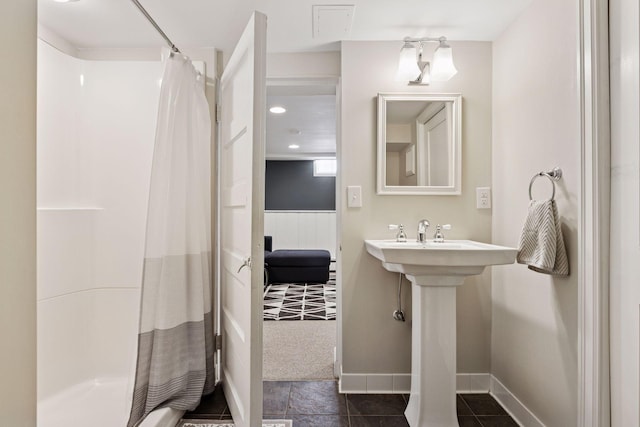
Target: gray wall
pixel 290 185
pixel 372 341
pixel 536 127
pixel 18 215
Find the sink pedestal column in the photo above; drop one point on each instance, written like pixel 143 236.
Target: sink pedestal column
pixel 433 352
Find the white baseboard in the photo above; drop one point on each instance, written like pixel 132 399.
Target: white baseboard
pixel 473 383
pixel 375 383
pixel 518 411
pixel 401 383
pixel 465 383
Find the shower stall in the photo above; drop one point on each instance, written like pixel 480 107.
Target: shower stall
pixel 96 126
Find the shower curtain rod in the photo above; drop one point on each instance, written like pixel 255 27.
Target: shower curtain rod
pixel 156 26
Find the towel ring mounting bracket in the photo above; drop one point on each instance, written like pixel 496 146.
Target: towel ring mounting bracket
pixel 554 175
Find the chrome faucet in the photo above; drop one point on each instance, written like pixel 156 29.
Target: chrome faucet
pixel 438 237
pixel 423 224
pixel 401 236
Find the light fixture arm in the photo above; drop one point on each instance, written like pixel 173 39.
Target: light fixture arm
pixel 421 40
pixel 442 66
pixel 425 67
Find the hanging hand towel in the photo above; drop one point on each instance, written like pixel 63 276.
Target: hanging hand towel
pixel 541 244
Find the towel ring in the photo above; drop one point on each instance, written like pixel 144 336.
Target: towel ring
pixel 553 175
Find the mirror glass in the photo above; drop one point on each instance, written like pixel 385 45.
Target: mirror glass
pixel 419 147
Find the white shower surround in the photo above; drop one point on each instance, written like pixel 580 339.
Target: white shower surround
pixel 96 125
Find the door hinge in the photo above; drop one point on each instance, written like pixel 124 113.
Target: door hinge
pixel 218 113
pixel 218 342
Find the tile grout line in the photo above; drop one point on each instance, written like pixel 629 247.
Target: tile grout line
pixel 473 412
pixel 286 409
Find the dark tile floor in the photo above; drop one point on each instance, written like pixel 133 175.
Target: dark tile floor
pixel 318 404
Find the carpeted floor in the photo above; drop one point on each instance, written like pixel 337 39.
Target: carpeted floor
pixel 301 350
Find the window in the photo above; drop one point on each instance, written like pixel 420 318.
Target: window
pixel 325 167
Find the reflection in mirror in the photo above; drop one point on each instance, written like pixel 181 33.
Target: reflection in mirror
pixel 419 143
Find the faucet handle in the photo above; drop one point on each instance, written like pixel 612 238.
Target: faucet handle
pixel 438 237
pixel 401 236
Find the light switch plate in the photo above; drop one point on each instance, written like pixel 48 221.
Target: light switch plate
pixel 354 196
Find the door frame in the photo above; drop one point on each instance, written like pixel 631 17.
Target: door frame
pixel 335 82
pixel 593 240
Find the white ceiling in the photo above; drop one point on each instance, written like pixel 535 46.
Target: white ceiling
pixel 88 24
pixel 218 23
pixel 309 122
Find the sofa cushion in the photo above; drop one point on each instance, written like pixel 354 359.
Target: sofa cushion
pixel 298 258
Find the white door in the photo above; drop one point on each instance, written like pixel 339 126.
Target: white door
pixel 241 200
pixel 434 145
pixel 438 154
pixel 624 308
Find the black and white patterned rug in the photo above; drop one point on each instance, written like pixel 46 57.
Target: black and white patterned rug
pixel 300 301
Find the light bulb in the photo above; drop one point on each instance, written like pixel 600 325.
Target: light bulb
pixel 277 109
pixel 408 69
pixel 442 68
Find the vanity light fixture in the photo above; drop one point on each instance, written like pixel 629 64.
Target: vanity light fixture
pixel 412 66
pixel 294 146
pixel 278 109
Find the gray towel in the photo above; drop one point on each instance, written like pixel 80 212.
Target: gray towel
pixel 541 244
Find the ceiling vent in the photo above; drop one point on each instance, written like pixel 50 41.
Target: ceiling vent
pixel 332 22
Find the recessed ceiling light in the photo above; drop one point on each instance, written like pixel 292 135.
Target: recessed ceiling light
pixel 277 109
pixel 294 146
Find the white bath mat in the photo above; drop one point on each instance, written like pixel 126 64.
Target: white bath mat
pixel 226 423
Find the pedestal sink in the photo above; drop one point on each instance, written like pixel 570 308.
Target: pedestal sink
pixel 435 269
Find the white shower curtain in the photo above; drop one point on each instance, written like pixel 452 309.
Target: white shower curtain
pixel 175 342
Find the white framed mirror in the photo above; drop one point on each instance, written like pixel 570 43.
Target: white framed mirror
pixel 419 144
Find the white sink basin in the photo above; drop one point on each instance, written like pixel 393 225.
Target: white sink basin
pixel 451 258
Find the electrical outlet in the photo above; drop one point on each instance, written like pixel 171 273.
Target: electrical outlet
pixel 483 198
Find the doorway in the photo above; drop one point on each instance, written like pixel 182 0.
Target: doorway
pixel 301 228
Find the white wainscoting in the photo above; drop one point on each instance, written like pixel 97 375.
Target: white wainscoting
pixel 302 229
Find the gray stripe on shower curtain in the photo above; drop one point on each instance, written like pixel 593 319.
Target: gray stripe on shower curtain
pixel 175 365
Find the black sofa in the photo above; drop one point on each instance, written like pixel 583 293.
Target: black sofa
pixel 295 265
